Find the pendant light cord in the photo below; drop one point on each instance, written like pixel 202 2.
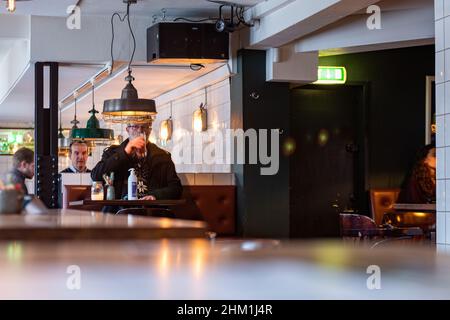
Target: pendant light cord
pixel 132 35
pixel 122 19
pixel 60 122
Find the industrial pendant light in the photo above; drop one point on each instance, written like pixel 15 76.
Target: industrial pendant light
pixel 74 122
pixel 129 108
pixel 63 142
pixel 92 132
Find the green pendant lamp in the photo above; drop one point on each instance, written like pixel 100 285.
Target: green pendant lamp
pixel 92 132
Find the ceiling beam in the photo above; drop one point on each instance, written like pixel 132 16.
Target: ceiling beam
pixel 290 20
pixel 399 28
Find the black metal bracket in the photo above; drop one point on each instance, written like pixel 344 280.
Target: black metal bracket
pixel 46 135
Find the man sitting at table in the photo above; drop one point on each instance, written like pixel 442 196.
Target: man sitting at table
pixel 78 155
pixel 23 167
pixel 155 171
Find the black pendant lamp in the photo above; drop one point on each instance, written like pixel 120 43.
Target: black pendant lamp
pixel 129 108
pixel 63 142
pixel 92 132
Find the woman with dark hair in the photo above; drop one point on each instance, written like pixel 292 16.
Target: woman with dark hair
pixel 420 184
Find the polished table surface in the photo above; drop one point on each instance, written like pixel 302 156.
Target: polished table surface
pixel 221 269
pixel 128 203
pixel 78 224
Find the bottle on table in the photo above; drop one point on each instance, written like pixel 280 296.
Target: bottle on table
pixel 132 185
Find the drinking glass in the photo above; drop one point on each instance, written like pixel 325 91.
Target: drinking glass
pixel 144 135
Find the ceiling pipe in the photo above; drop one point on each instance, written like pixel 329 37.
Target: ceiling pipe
pixel 102 77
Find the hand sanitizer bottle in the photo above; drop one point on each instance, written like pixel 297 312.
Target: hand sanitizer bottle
pixel 132 185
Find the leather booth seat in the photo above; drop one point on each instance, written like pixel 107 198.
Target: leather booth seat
pixel 213 204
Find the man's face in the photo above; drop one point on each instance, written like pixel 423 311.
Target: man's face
pixel 136 130
pixel 27 169
pixel 79 156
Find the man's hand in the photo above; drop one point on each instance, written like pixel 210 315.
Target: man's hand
pixel 137 143
pixel 148 198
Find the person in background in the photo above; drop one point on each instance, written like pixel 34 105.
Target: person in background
pixel 420 184
pixel 78 155
pixel 23 167
pixel 155 171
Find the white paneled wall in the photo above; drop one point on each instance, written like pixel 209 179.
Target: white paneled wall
pixel 182 109
pixel 218 108
pixel 442 45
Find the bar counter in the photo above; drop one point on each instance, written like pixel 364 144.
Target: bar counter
pixel 221 269
pixel 64 224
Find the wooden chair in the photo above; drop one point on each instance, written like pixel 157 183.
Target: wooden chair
pixel 357 225
pixel 381 201
pixel 362 228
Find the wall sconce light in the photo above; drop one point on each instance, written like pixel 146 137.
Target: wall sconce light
pixel 165 130
pixel 199 121
pixel 11 5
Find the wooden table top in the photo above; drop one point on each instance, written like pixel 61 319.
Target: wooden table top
pixel 129 203
pixel 78 224
pixel 428 207
pixel 227 269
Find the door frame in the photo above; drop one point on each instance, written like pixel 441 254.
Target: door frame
pixel 361 181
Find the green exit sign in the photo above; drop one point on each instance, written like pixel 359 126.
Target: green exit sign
pixel 331 75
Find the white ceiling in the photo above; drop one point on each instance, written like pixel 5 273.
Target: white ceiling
pixel 390 5
pixel 185 8
pixel 151 81
pixel 174 8
pixel 19 105
pixel 5 46
pixel 40 7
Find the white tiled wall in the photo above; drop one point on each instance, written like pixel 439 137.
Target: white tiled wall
pixel 64 162
pixel 442 45
pixel 218 109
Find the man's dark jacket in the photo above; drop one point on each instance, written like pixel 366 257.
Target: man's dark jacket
pixel 164 182
pixel 19 178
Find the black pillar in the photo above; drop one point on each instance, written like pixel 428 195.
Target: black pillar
pixel 46 135
pixel 262 200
